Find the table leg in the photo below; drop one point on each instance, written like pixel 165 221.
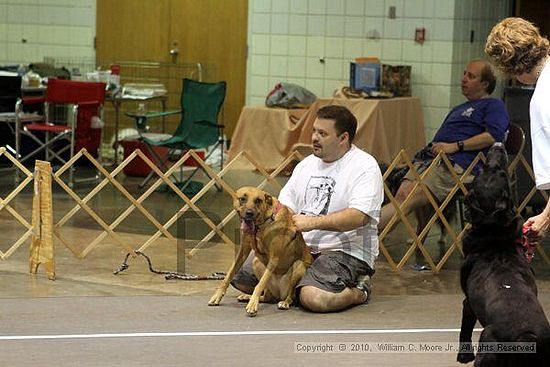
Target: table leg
pixel 116 105
pixel 18 127
pixel 17 139
pixel 163 101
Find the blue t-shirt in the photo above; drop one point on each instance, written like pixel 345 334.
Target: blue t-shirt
pixel 470 119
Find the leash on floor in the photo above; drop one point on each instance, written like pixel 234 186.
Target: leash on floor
pixel 168 275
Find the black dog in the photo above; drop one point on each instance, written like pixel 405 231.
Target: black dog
pixel 496 278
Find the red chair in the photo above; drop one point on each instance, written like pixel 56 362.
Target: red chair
pixel 87 100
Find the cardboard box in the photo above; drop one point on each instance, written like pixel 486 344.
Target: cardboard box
pixel 396 80
pixel 369 75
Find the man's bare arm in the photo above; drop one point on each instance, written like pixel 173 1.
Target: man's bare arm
pixel 476 142
pixel 340 221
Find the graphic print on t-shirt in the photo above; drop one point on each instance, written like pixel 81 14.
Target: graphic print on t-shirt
pixel 318 194
pixel 468 112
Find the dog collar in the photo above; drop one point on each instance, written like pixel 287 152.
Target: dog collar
pixel 277 209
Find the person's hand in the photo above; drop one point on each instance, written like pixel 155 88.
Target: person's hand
pixel 448 148
pixel 304 223
pixel 537 226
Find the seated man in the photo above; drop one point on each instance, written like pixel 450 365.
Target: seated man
pixel 468 129
pixel 337 192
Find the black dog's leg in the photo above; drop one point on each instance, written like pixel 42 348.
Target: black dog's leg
pixel 466 353
pixel 486 359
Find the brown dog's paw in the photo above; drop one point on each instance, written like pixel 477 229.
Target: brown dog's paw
pixel 243 297
pixel 284 305
pixel 216 298
pixel 252 306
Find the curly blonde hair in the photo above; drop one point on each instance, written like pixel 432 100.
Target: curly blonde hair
pixel 515 46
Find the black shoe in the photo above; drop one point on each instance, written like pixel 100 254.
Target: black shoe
pixel 364 283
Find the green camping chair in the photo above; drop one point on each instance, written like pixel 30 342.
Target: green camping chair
pixel 201 104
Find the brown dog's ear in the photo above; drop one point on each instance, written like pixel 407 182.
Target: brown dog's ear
pixel 268 200
pixel 270 210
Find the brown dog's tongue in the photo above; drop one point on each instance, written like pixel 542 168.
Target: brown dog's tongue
pixel 247 226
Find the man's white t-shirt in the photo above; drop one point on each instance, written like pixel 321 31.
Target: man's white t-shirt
pixel 539 111
pixel 317 188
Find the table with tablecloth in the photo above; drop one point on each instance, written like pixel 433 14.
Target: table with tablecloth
pixel 384 127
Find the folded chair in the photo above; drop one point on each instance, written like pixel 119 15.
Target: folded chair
pixel 201 104
pixel 74 128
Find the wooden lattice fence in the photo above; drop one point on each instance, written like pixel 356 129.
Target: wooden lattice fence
pixel 417 236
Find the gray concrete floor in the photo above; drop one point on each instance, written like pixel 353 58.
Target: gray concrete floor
pixel 90 317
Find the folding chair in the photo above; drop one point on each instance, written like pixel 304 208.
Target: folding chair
pixel 201 104
pixel 87 100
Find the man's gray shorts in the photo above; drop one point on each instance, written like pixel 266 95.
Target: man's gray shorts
pixel 331 271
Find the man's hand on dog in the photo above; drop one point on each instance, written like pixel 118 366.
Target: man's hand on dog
pixel 343 220
pixel 305 223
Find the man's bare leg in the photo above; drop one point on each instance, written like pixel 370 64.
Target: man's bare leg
pixel 418 200
pixel 318 300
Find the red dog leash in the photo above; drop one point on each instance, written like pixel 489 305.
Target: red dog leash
pixel 528 243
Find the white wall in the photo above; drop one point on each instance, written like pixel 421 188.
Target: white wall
pixel 288 37
pixel 58 28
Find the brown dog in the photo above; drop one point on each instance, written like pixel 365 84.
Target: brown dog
pixel 281 258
